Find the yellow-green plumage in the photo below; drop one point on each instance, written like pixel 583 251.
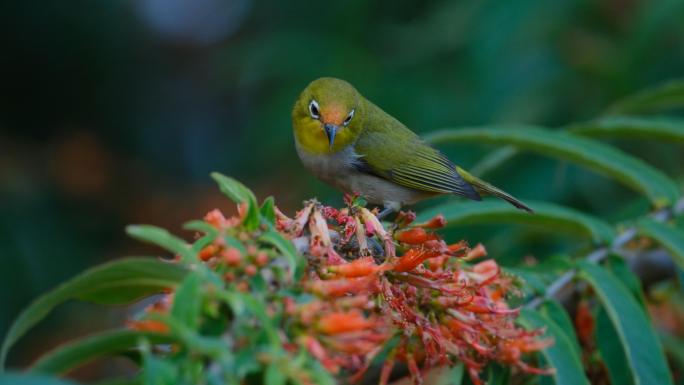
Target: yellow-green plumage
pixel 349 142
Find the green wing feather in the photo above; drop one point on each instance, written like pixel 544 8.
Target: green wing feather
pixel 405 159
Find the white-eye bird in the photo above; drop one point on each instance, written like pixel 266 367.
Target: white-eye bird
pixel 353 145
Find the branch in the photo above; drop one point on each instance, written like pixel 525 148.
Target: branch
pixel 564 281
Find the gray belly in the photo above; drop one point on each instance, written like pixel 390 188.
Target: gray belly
pixel 338 171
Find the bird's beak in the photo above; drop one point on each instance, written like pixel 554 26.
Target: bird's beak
pixel 331 131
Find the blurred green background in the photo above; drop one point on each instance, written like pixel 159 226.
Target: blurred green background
pixel 115 112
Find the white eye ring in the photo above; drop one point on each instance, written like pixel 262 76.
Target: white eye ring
pixel 313 109
pixel 349 118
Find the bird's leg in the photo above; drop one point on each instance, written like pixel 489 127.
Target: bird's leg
pixel 390 207
pixel 385 212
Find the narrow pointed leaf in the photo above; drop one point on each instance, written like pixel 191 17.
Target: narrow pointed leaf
pixel 546 215
pixel 642 347
pixel 79 352
pixel 596 156
pixel 162 238
pixel 671 238
pixel 210 234
pixel 554 311
pixel 663 129
pixel 267 210
pixel 118 282
pixel 239 194
pixel 611 350
pixel 619 268
pixel 562 355
pixel 187 302
pixel 493 160
pixel 665 96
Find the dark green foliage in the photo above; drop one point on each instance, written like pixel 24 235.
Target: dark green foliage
pixel 119 282
pixel 593 155
pixel 563 354
pixel 209 312
pixel 638 338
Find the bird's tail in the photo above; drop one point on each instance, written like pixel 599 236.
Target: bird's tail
pixel 486 188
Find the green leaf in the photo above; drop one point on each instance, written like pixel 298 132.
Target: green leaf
pixel 274 375
pixel 187 303
pixel 210 232
pixel 118 282
pixel 294 260
pixel 611 350
pixel 562 355
pixel 452 376
pixel 162 238
pixel 493 160
pixel 498 374
pixel 239 194
pixel 619 268
pixel 79 352
pixel 594 155
pixel 554 311
pixel 641 344
pixel 267 210
pixel 669 237
pixel 120 381
pixel 666 96
pixel 31 379
pixel 664 129
pixel 546 216
pixel 674 346
pixel 157 371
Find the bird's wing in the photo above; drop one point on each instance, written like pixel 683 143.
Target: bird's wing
pixel 402 157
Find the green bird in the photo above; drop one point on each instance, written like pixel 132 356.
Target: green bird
pixel 353 145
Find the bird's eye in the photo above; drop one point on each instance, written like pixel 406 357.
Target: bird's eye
pixel 313 109
pixel 349 117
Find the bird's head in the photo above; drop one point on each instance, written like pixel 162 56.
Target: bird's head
pixel 328 116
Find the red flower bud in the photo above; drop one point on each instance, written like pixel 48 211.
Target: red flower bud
pixel 231 256
pixel 215 218
pixel 208 252
pixel 261 259
pixel 251 270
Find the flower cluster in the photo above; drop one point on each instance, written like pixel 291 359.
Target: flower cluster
pixel 411 286
pixel 397 293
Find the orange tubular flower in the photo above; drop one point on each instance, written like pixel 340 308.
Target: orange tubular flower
pixel 436 222
pixel 357 268
pixel 478 251
pixel 339 287
pixel 415 236
pixel 343 322
pixel 413 258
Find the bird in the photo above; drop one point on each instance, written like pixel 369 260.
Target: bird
pixel 353 145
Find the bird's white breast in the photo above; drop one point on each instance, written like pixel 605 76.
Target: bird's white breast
pixel 337 169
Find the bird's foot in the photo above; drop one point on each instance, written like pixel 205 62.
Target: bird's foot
pixel 385 212
pixel 389 208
